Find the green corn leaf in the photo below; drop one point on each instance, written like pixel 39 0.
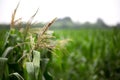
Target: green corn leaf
pixel 30 71
pixel 36 58
pixel 7 51
pixel 36 63
pixel 44 63
pixel 6 38
pixel 18 76
pixel 40 76
pixel 3 39
pixel 3 68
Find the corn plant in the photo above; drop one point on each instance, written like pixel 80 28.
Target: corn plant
pixel 24 52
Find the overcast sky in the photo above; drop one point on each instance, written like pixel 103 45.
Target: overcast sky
pixel 78 10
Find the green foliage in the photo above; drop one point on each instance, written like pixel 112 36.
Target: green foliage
pixel 3 39
pixel 93 54
pixel 3 68
pixel 21 49
pixel 79 54
pixel 33 68
pixel 21 56
pixel 16 76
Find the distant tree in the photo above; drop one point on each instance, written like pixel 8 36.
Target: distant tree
pixel 87 24
pixel 4 26
pixel 67 19
pixel 118 25
pixel 100 23
pixel 64 23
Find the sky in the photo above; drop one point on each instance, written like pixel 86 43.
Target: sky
pixel 78 10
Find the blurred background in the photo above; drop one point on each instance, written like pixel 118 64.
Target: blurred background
pixel 78 10
pixel 89 31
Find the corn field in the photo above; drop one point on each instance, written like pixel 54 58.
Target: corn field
pixel 91 54
pixel 41 54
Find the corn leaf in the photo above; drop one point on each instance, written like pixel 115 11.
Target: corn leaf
pixel 30 71
pixel 7 51
pixel 36 63
pixel 3 68
pixel 3 39
pixel 18 76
